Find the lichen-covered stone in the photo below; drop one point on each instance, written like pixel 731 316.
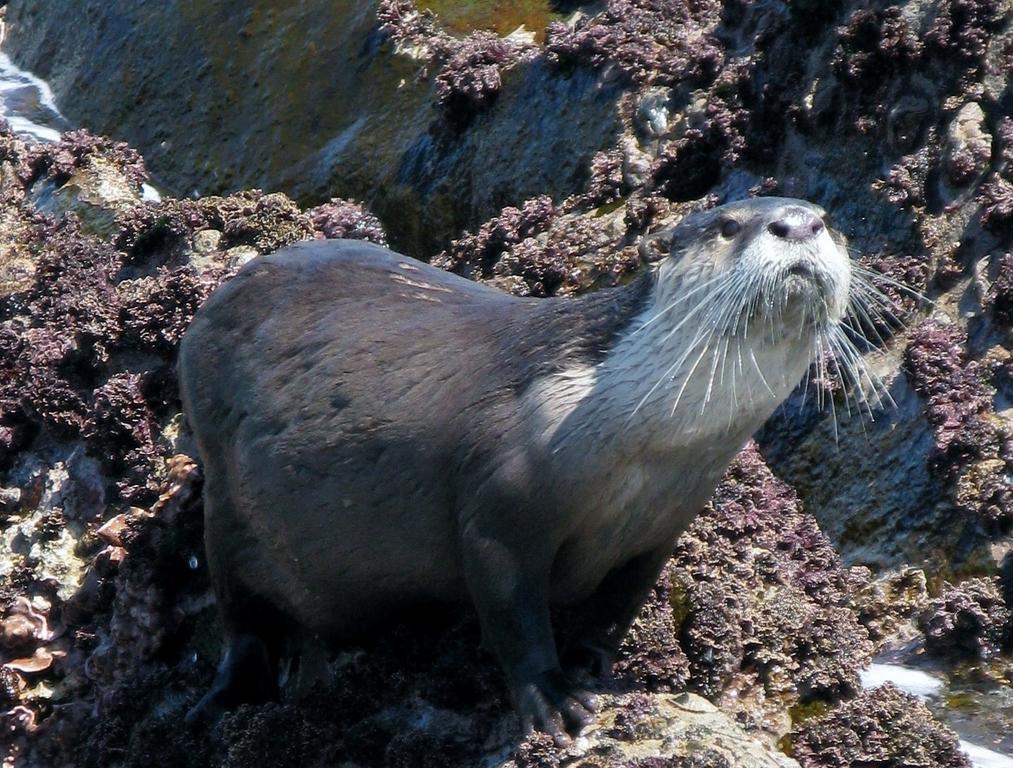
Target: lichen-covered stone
pixel 968 619
pixel 969 149
pixel 651 657
pixel 346 219
pixel 60 161
pixel 999 299
pixel 475 255
pixel 473 72
pixel 961 28
pixel 969 436
pixel 121 430
pixel 689 104
pixel 650 41
pixel 888 605
pixel 881 727
pixel 873 45
pixel 763 590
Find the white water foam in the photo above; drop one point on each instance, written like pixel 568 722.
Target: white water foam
pixel 925 686
pixel 27 103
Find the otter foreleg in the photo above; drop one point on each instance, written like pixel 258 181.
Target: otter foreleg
pixel 595 629
pixel 509 585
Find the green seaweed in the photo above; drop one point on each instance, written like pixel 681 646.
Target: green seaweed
pixel 607 208
pixel 500 16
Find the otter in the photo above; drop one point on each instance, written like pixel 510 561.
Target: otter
pixel 377 433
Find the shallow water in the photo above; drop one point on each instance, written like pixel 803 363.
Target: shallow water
pixel 27 103
pixel 980 721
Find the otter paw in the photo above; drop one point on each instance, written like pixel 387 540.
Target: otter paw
pixel 553 704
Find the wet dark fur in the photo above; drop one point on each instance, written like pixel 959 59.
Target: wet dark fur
pixel 324 354
pixel 377 432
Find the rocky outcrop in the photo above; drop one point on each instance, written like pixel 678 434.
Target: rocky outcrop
pixel 308 99
pixel 108 633
pixel 544 167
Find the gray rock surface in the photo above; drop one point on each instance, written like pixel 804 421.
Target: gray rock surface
pixel 306 98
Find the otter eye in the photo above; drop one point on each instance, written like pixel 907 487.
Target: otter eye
pixel 729 228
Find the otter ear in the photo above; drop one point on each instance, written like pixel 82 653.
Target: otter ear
pixel 656 245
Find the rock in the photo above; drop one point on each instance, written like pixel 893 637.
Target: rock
pixel 23 627
pixel 882 727
pixel 40 662
pixel 206 241
pixel 385 141
pixel 663 731
pixel 112 530
pixel 969 619
pixel 545 169
pixel 889 604
pixel 969 145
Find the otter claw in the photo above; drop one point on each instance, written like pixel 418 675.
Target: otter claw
pixel 553 705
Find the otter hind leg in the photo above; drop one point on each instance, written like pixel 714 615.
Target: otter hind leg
pixel 252 629
pixel 248 674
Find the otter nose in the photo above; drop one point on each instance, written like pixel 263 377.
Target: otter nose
pixel 796 224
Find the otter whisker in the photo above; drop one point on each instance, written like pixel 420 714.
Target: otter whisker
pixel 710 306
pixel 710 382
pixel 861 367
pixel 735 396
pixel 841 368
pixel 875 300
pixel 660 313
pixel 718 327
pixel 689 375
pixel 873 275
pixel 834 350
pixel 824 375
pixel 724 328
pixel 711 320
pixel 805 381
pixel 860 314
pixel 759 371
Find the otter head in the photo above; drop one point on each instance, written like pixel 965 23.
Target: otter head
pixel 751 293
pixel 771 261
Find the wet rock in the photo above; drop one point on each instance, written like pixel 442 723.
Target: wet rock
pixel 651 657
pixel 969 435
pixel 476 255
pixel 882 727
pixel 545 171
pixel 387 141
pixel 873 45
pixel 969 145
pixel 649 41
pixel 24 627
pixel 888 605
pixel 762 590
pixel 999 297
pixel 967 620
pixel 961 28
pixel 688 731
pixel 345 219
pixel 473 73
